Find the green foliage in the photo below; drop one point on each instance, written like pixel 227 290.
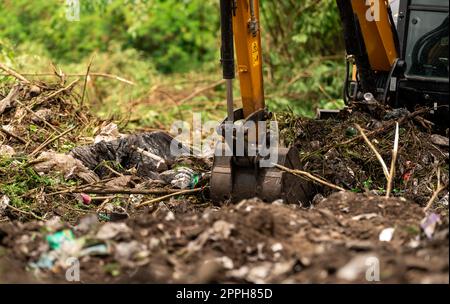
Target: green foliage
pixel 140 39
pixel 22 179
pixel 175 35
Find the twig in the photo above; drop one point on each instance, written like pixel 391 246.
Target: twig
pixel 104 75
pixel 7 102
pixel 14 73
pixel 161 163
pixel 159 199
pixel 200 91
pixel 393 162
pixel 433 198
pixel 310 176
pixel 382 129
pixel 45 144
pixel 13 135
pixel 86 80
pixel 122 191
pixel 59 91
pixel 25 212
pixel 40 118
pixel 104 164
pixel 374 150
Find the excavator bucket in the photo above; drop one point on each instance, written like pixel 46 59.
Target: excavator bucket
pixel 241 176
pixel 233 181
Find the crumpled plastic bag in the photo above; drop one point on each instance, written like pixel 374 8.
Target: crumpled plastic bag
pixel 181 177
pixel 109 132
pixel 125 151
pixel 65 164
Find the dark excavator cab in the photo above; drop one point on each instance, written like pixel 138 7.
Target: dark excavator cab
pixel 423 31
pixel 419 75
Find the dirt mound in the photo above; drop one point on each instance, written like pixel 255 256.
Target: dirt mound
pixel 255 242
pixel 334 150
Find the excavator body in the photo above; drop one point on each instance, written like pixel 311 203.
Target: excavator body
pixel 398 57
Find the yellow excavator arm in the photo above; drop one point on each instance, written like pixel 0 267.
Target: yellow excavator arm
pixel 377 33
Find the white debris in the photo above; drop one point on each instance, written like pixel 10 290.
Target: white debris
pixel 366 216
pixel 387 234
pixel 109 132
pixel 429 224
pixel 259 273
pixel 4 203
pixel 354 269
pixel 277 247
pixel 42 115
pixel 220 230
pixel 111 230
pixel 226 262
pixel 179 178
pixel 7 151
pixel 64 164
pixel 170 216
pixel 440 140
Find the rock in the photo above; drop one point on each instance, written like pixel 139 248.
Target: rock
pixel 7 151
pixel 440 140
pixel 35 91
pixel 43 114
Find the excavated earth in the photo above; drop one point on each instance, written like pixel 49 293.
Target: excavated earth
pixel 353 236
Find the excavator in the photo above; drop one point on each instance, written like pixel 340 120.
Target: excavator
pixel 396 55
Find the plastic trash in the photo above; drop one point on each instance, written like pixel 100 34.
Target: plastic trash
pixel 57 239
pixel 107 133
pixel 429 224
pixel 354 269
pixel 124 151
pixel 387 234
pixel 4 203
pixel 181 177
pixel 96 250
pixel 112 230
pixel 84 199
pixel 64 164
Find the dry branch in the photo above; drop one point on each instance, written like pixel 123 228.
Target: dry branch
pixel 374 150
pixel 310 176
pixel 393 162
pixel 14 73
pixel 13 135
pixel 45 144
pixel 159 199
pixel 37 116
pixel 434 196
